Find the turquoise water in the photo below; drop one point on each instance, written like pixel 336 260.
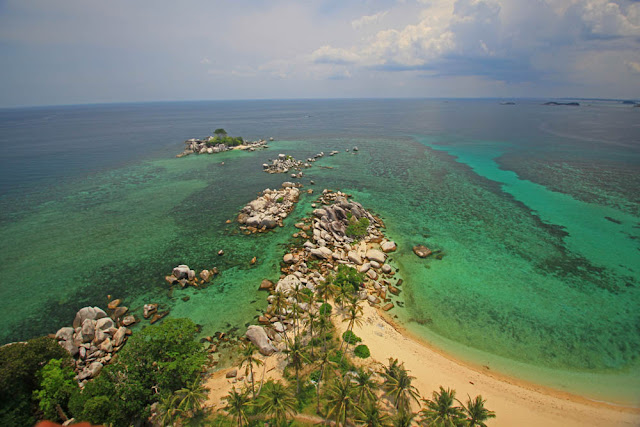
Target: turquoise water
pixel 536 211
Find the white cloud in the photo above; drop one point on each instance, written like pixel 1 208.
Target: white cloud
pixel 633 66
pixel 205 60
pixel 332 55
pixel 368 20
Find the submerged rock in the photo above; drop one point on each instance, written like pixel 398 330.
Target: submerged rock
pixel 422 251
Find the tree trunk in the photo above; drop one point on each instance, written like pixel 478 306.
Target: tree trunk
pixel 253 386
pixel 61 413
pixel 264 368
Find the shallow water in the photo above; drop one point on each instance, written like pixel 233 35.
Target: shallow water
pixel 535 209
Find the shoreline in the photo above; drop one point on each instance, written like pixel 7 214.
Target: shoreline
pixel 515 401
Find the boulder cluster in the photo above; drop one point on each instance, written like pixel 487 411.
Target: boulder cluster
pixel 284 164
pixel 184 276
pixel 205 146
pixel 93 339
pixel 311 264
pixel 269 209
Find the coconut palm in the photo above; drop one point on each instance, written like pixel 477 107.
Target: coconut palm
pixel 354 317
pixel 403 418
pixel 440 411
pixel 365 386
pixel 398 386
pixel 192 397
pixel 371 415
pixel 325 360
pixel 312 317
pixel 168 410
pixel 326 290
pixel 324 324
pixel 297 358
pixel 277 402
pixel 393 370
pixel 340 399
pixel 248 359
pixel 238 403
pixel 475 411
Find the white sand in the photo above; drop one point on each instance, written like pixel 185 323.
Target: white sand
pixel 515 403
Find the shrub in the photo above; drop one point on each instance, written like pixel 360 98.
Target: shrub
pixel 325 309
pixel 350 337
pixel 19 364
pixel 280 199
pixel 357 228
pixel 362 351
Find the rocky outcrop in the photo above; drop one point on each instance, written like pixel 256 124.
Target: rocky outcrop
pixel 285 164
pixel 269 209
pixel 92 341
pixel 208 145
pixel 258 336
pixel 184 276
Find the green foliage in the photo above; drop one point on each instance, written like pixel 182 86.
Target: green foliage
pixel 280 199
pixel 325 309
pixel 357 229
pixel 19 364
pixel 362 351
pixel 277 402
pixel 164 357
pixel 342 363
pixel 350 337
pixel 56 386
pixel 222 138
pixel 347 277
pixel 440 410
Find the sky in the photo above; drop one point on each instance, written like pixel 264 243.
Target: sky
pixel 86 51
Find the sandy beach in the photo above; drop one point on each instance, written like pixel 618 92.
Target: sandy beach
pixel 515 404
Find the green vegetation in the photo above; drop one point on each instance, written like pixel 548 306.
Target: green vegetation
pixel 350 337
pixel 19 366
pixel 362 351
pixel 325 309
pixel 221 137
pixel 357 228
pixel 161 362
pixel 56 387
pixel 280 199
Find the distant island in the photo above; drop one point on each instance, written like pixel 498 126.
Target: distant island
pixel 573 104
pixel 508 103
pixel 220 142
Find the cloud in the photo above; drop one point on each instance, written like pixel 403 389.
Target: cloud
pixel 332 55
pixel 205 60
pixel 368 20
pixel 633 66
pixel 504 40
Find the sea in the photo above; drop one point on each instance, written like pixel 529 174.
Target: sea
pixel 534 209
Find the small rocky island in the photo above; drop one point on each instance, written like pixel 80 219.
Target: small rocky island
pixel 269 209
pixel 219 143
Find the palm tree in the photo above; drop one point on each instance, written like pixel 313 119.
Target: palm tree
pixel 365 386
pixel 280 304
pixel 237 405
pixel 354 316
pixel 372 415
pixel 326 289
pixel 398 386
pixel 168 410
pixel 340 399
pixel 440 411
pixel 277 402
pixel 192 397
pixel 325 360
pixel 476 413
pixel 295 353
pixel 247 352
pixel 312 316
pixel 324 324
pixel 393 370
pixel 403 418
